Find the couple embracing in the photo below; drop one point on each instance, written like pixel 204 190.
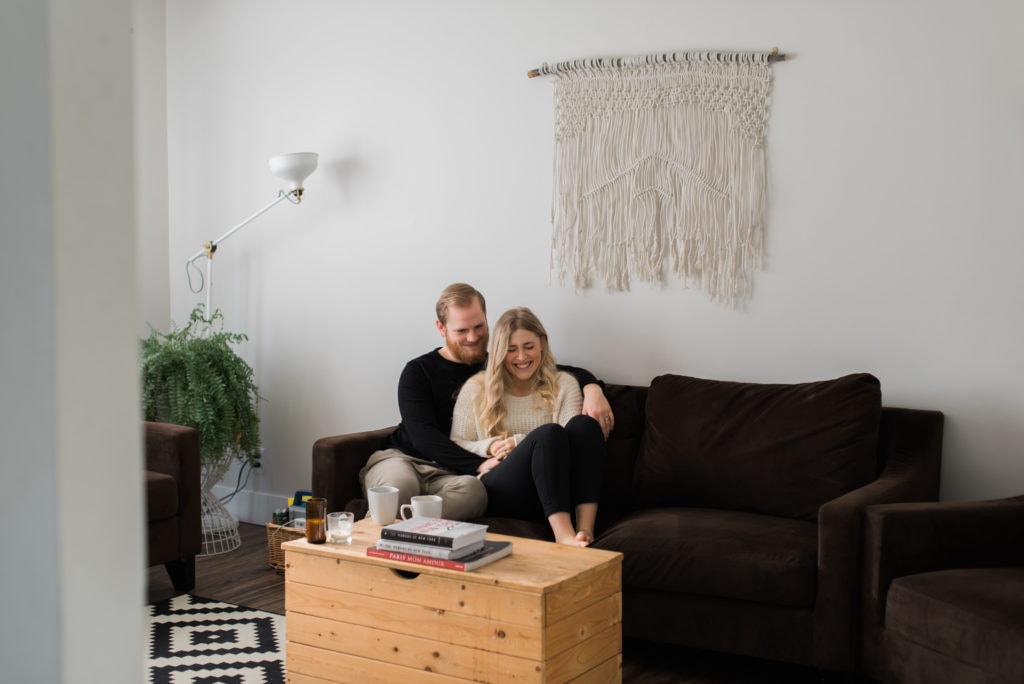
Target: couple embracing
pixel 506 433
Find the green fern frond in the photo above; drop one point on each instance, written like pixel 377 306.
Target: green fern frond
pixel 192 376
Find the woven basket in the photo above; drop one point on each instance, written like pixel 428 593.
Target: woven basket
pixel 276 535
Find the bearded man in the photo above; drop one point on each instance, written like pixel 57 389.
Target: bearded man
pixel 420 457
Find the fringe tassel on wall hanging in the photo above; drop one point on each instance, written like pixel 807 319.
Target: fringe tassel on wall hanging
pixel 661 159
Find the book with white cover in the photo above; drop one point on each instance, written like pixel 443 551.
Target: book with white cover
pixel 452 534
pixel 429 549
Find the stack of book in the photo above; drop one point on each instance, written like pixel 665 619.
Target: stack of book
pixel 440 543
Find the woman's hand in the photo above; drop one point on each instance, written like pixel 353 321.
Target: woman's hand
pixel 500 448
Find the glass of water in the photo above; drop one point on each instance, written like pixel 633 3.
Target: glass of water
pixel 339 527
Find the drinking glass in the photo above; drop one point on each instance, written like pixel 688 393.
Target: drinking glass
pixel 316 529
pixel 339 527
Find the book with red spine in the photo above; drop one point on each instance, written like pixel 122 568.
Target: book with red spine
pixel 492 551
pixel 452 534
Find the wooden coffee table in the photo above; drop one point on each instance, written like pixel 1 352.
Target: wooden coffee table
pixel 547 613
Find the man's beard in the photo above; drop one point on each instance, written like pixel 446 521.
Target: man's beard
pixel 470 357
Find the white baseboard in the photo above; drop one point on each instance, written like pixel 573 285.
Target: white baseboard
pixel 252 507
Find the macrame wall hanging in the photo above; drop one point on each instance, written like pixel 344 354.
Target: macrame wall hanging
pixel 660 160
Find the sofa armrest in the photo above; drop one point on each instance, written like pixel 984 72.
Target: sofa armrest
pixel 911 440
pixel 337 461
pixel 910 449
pixel 174 450
pixel 167 448
pixel 908 538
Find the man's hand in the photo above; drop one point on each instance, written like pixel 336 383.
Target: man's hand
pixel 488 465
pixel 596 405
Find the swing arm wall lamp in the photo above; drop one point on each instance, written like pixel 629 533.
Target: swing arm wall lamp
pixel 293 168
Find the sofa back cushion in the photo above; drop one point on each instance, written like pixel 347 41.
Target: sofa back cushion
pixel 776 449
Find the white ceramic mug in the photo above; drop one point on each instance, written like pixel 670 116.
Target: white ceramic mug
pixel 426 506
pixel 383 504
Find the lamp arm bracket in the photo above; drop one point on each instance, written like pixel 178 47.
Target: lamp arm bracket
pixel 210 247
pixel 281 195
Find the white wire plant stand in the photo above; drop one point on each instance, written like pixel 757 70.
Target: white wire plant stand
pixel 220 529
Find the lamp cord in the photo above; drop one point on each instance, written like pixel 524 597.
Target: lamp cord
pixel 188 275
pixel 246 469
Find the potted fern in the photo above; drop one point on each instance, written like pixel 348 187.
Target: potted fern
pixel 192 376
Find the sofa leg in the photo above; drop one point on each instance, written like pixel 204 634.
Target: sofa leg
pixel 182 573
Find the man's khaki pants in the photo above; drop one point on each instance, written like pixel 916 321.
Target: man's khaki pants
pixel 464 495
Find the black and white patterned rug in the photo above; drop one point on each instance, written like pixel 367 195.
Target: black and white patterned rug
pixel 192 640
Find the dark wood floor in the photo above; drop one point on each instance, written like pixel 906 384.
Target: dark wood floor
pixel 243 577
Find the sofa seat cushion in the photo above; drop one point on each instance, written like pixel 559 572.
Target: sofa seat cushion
pixel 974 615
pixel 765 448
pixel 726 554
pixel 161 496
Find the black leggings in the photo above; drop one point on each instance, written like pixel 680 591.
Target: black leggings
pixel 552 470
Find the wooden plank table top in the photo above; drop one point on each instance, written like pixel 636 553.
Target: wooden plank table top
pixel 533 564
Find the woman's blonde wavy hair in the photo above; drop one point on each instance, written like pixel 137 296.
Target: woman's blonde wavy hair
pixel 496 380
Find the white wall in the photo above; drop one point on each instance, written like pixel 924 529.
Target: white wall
pixel 893 245
pixel 26 356
pixel 71 491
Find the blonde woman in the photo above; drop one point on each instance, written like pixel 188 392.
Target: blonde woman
pixel 522 416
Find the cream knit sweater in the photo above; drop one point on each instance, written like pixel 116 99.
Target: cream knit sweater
pixel 524 413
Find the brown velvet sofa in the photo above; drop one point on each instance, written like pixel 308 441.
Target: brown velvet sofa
pixel 737 506
pixel 944 592
pixel 173 503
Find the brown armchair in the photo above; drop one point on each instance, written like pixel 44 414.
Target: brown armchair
pixel 173 500
pixel 943 596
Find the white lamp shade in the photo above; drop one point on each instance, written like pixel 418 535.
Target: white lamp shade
pixel 294 168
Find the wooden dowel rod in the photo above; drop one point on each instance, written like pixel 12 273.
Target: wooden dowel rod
pixel 773 56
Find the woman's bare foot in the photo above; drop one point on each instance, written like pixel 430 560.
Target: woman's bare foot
pixel 584 537
pixel 571 541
